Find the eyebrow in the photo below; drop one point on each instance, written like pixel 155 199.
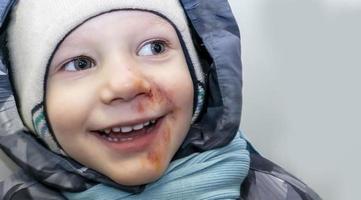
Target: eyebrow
pixel 158 26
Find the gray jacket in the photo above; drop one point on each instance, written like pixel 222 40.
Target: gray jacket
pixel 43 173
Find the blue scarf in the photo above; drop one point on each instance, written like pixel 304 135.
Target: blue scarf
pixel 214 174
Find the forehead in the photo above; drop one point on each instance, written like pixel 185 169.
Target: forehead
pixel 122 22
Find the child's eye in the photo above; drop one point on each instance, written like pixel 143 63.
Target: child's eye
pixel 78 64
pixel 152 48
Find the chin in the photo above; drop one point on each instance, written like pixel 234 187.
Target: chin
pixel 139 177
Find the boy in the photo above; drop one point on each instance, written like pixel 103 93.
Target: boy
pixel 112 94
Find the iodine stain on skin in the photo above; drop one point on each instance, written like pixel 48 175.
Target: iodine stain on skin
pixel 140 107
pixel 155 159
pixel 155 96
pixel 166 134
pixel 159 100
pixel 157 155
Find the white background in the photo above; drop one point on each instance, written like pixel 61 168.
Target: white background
pixel 302 81
pixel 302 96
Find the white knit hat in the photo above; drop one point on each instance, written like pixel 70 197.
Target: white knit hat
pixel 38 26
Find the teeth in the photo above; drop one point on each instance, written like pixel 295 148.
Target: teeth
pixel 111 139
pixel 116 129
pixel 114 139
pixel 126 129
pixel 138 127
pixel 126 139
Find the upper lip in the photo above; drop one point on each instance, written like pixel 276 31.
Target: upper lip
pixel 128 123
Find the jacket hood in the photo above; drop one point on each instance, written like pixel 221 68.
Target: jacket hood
pixel 216 37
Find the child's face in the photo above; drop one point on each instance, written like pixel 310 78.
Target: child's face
pixel 121 71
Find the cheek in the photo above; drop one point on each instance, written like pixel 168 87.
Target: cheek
pixel 60 105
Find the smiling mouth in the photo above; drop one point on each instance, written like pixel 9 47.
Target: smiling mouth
pixel 121 134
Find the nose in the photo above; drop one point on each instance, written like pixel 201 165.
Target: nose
pixel 122 83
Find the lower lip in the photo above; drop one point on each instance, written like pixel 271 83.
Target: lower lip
pixel 140 141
